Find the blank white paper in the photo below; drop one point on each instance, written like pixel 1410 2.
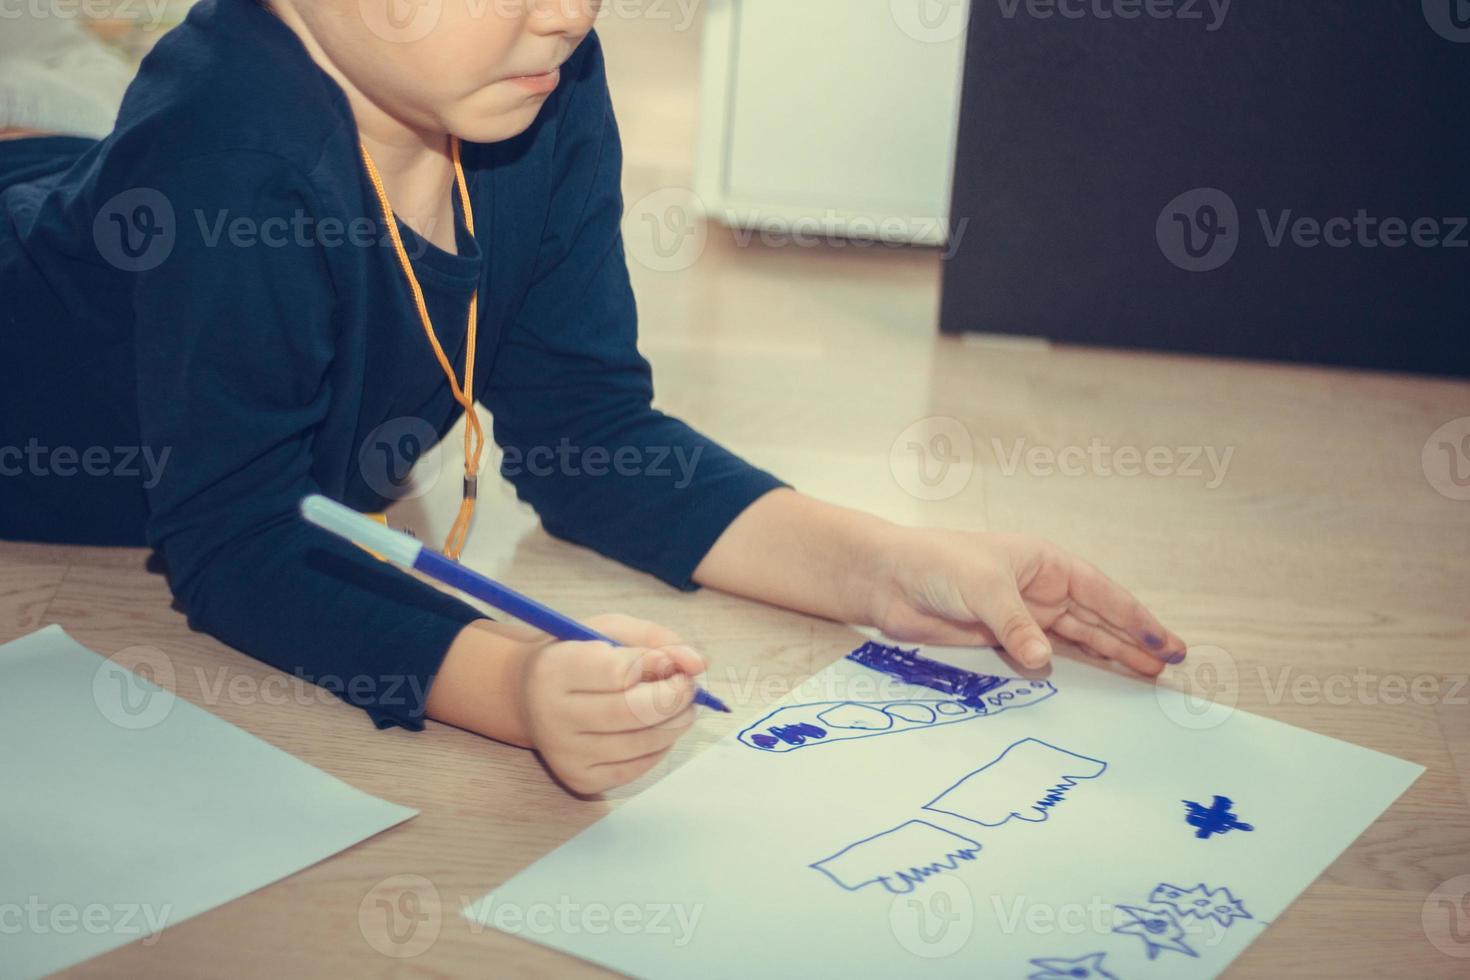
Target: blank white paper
pixel 126 809
pixel 1089 825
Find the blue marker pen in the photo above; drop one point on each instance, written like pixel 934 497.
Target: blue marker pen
pixel 397 547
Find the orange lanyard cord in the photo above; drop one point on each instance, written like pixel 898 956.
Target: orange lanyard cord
pixel 474 435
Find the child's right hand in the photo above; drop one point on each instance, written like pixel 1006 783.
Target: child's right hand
pixel 601 715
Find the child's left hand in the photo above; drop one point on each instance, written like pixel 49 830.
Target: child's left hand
pixel 963 588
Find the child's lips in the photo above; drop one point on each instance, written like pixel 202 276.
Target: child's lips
pixel 543 82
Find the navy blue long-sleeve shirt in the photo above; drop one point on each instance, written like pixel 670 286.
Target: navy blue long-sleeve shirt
pixel 202 320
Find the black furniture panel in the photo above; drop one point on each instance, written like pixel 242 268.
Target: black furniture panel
pixel 1280 180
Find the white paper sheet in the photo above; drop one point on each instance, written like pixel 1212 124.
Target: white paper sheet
pixel 126 809
pixel 1048 835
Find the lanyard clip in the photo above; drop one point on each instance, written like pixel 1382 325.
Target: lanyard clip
pixel 471 486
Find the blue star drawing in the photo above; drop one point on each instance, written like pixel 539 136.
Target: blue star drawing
pixel 1217 818
pixel 1201 902
pixel 1082 968
pixel 1157 927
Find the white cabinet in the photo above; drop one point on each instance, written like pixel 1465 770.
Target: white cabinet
pixel 831 116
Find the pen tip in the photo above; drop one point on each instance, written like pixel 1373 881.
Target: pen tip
pixel 712 702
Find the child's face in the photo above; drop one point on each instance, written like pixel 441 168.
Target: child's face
pixel 445 66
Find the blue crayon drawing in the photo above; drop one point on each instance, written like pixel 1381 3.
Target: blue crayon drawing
pixel 966 686
pixel 899 859
pixel 1089 967
pixel 821 722
pixel 1201 902
pixel 1157 927
pixel 790 734
pixel 1217 818
pixel 1024 782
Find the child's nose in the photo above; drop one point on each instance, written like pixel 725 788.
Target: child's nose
pixel 573 18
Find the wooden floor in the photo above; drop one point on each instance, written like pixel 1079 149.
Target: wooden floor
pixel 1321 580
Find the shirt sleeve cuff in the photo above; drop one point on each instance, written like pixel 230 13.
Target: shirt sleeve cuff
pixel 400 700
pixel 717 510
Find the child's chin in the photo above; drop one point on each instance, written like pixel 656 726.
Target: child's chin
pixel 494 129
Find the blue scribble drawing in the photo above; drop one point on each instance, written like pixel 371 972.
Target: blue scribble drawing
pixel 1089 967
pixel 1201 902
pixel 820 722
pixel 966 686
pixel 898 859
pixel 1024 782
pixel 790 734
pixel 1157 927
pixel 1217 818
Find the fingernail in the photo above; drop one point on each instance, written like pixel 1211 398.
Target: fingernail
pixel 1035 653
pixel 1153 640
pixel 1175 658
pixel 685 651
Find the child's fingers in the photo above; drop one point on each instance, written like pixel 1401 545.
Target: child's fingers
pixel 686 660
pixel 1093 619
pixel 1112 602
pixel 654 702
pixel 1106 643
pixel 605 760
pixel 604 776
pixel 1000 605
pixel 622 746
pixel 631 631
pixel 595 667
pixel 668 661
pixel 641 706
